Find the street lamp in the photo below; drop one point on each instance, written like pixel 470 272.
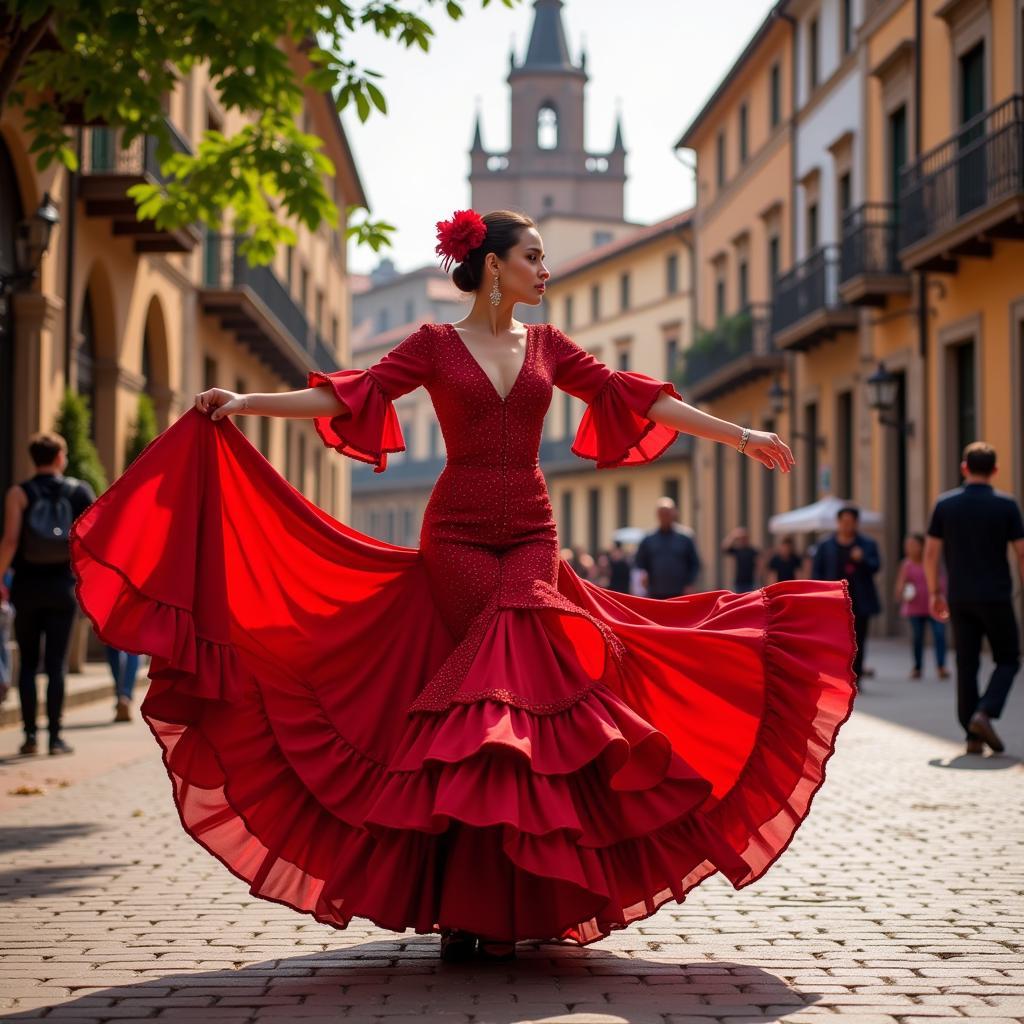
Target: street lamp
pixel 777 395
pixel 883 392
pixel 33 240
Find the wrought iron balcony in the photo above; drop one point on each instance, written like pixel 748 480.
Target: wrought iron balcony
pixel 808 309
pixel 254 304
pixel 733 353
pixel 110 169
pixel 869 269
pixel 965 193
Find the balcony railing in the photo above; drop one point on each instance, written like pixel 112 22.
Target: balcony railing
pixel 110 169
pixel 807 306
pixel 104 153
pixel 977 168
pixel 255 303
pixel 869 268
pixel 737 350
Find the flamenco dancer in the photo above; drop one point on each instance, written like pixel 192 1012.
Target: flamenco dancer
pixel 462 738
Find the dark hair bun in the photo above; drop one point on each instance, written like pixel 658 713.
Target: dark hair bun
pixel 465 278
pixel 503 230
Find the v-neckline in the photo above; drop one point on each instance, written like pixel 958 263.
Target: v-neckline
pixel 483 372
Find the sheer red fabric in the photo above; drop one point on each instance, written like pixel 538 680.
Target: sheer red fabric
pixel 464 734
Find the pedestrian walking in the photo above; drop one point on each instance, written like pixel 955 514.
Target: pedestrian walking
pixel 38 515
pixel 972 527
pixel 668 556
pixel 852 556
pixel 785 563
pixel 466 738
pixel 620 568
pixel 745 559
pixel 911 593
pixel 124 667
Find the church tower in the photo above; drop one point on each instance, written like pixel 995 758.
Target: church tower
pixel 547 171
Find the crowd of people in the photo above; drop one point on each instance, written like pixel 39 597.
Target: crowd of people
pixel 969 531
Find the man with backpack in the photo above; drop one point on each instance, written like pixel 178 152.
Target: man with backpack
pixel 38 514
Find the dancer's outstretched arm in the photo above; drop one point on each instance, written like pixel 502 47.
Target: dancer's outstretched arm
pixel 761 445
pixel 307 403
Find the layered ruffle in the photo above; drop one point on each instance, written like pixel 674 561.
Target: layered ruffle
pixel 367 428
pixel 295 760
pixel 615 430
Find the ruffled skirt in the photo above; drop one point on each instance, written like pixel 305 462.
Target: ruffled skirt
pixel 559 771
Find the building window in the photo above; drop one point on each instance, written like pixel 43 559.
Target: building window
pixel 568 312
pixel 623 359
pixel 966 412
pixel 812 227
pixel 897 150
pixel 811 452
pixel 847 26
pixel 719 299
pixel 289 436
pixel 595 302
pixel 594 519
pixel 812 54
pixel 743 133
pixel 775 89
pixel 844 444
pixel 845 193
pixel 334 332
pixel 265 436
pixel 670 486
pixel 742 284
pixel 382 319
pixel 547 128
pixel 289 266
pixel 773 262
pixel 567 412
pixel 622 510
pixel 624 292
pixel 209 373
pixel 319 312
pixel 304 289
pixel 566 524
pixel 602 237
pixel 672 273
pixel 671 357
pixel 410 311
pixel 720 159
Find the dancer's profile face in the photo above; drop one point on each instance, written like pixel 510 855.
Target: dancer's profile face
pixel 522 274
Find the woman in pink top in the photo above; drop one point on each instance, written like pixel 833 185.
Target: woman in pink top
pixel 912 592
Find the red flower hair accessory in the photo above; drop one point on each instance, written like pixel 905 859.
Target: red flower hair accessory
pixel 459 236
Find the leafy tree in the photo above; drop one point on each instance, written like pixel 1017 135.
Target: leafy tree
pixel 143 429
pixel 73 424
pixel 111 62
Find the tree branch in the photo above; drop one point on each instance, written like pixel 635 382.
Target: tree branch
pixel 25 41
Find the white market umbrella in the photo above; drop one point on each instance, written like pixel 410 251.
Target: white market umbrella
pixel 819 516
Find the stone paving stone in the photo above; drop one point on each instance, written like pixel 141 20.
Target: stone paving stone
pixel 887 909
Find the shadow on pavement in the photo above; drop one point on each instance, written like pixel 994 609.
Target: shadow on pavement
pixel 35 837
pixel 549 982
pixel 976 763
pixel 28 883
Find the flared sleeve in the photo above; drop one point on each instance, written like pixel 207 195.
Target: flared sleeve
pixel 615 429
pixel 368 428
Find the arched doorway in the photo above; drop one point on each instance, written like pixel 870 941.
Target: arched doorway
pixel 155 362
pixel 85 360
pixel 10 215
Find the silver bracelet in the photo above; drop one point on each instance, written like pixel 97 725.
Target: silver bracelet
pixel 743 440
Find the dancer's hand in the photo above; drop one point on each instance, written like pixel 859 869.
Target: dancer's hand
pixel 218 403
pixel 769 449
pixel 938 608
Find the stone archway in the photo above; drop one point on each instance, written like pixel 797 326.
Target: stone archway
pixel 155 362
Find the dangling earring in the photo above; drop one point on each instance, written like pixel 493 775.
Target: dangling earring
pixel 495 292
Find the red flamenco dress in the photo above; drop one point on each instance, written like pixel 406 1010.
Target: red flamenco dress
pixel 467 734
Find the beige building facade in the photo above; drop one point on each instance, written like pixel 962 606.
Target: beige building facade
pixel 121 307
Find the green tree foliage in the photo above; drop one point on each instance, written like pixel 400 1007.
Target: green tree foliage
pixel 73 424
pixel 114 61
pixel 143 429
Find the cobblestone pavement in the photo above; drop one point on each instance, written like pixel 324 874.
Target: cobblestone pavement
pixel 899 901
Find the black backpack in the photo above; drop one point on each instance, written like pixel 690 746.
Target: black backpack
pixel 46 526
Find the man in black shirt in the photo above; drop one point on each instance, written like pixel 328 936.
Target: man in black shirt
pixel 668 556
pixel 972 526
pixel 43 590
pixel 745 557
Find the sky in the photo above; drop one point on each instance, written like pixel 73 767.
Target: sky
pixel 656 60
